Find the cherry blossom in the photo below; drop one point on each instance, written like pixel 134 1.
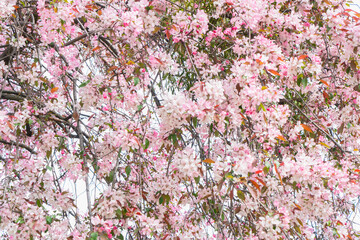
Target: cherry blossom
pixel 179 119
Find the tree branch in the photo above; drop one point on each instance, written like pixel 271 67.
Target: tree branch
pixel 313 123
pixel 20 145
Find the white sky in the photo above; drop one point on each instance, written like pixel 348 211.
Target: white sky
pixel 355 5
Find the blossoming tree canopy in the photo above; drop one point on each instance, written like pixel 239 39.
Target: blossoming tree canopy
pixel 184 119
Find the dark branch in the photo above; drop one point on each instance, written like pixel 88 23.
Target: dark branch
pixel 14 97
pixel 18 144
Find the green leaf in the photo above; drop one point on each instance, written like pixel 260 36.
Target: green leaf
pixel 173 138
pixel 297 228
pixel 299 79
pixel 261 106
pixel 348 70
pixel 148 8
pixel 128 170
pixel 49 219
pixel 229 176
pixel 197 179
pixel 94 236
pixel 110 177
pixel 267 164
pixel 161 199
pixel 195 122
pixel 240 195
pixel 142 65
pixel 263 189
pixel 147 142
pixel 325 182
pixel 20 220
pixel 38 202
pixel 136 81
pixel 167 199
pixel 48 153
pixel 118 213
pixel 83 84
pixel 304 82
pixel 139 107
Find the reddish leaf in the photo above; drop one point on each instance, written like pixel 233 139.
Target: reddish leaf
pixel 326 96
pixel 96 48
pixel 10 125
pixel 31 202
pixel 259 61
pixel 255 185
pixel 324 82
pixel 167 33
pixel 276 170
pixel 353 65
pixel 281 138
pixel 208 160
pixel 158 10
pixel 261 181
pixel 307 128
pixel 159 60
pixel 166 235
pixel 274 72
pixel 75 10
pixel 238 88
pixel 43 79
pixel 341 128
pixel 76 116
pixel 302 57
pixel 229 9
pixel 297 206
pixel 54 89
pixel 112 68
